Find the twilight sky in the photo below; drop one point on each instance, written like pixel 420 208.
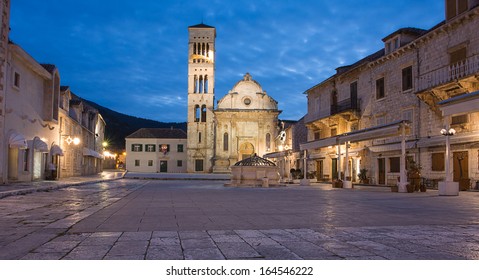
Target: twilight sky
pixel 131 56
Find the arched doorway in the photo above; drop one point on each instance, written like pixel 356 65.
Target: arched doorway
pixel 246 150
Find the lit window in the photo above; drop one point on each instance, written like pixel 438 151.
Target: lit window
pixel 136 147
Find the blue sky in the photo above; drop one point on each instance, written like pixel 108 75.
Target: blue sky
pixel 131 56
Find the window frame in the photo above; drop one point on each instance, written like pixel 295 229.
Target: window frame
pixel 407 78
pixel 133 146
pixel 380 88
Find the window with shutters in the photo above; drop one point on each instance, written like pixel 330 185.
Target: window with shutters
pixel 136 147
pixel 150 148
pixel 407 78
pixel 380 88
pixel 461 119
pixel 437 162
pixel 457 56
pixel 394 164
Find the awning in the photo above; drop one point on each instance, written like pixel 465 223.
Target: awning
pixel 440 140
pixel 326 142
pixel 40 146
pixel 461 104
pixel 91 153
pixel 56 151
pixel 16 140
pixel 383 131
pixel 376 132
pixel 391 147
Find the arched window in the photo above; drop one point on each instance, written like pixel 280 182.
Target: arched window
pixel 203 113
pixel 195 81
pixel 206 83
pixel 203 49
pixel 197 113
pixel 194 48
pixel 200 90
pixel 199 137
pixel 225 141
pixel 207 50
pixel 268 142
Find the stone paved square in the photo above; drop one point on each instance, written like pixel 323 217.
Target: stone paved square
pixel 198 220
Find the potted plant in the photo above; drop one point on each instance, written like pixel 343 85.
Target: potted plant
pixel 337 183
pixel 413 175
pixel 363 176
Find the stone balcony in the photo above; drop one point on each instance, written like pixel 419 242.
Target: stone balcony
pixel 449 73
pixel 449 81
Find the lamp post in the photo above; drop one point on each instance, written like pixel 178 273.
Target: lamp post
pixel 448 187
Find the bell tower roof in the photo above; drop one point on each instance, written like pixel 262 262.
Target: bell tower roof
pixel 201 25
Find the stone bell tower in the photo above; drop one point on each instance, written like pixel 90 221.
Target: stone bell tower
pixel 201 95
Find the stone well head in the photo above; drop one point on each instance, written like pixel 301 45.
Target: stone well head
pixel 254 171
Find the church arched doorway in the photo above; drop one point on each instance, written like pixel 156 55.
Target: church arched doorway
pixel 246 150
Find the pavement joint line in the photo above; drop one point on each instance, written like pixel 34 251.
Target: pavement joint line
pixel 50 188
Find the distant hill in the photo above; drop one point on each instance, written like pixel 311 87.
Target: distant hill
pixel 119 125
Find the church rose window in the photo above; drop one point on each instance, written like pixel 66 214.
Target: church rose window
pixel 247 101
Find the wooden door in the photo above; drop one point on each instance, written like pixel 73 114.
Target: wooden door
pixel 461 169
pixel 381 171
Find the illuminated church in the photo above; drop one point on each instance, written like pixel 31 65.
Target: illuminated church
pixel 244 121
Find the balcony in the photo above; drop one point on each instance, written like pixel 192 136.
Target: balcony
pixel 449 73
pixel 347 108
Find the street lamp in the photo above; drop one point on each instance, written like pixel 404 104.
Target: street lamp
pixel 449 132
pixel 70 140
pixel 448 187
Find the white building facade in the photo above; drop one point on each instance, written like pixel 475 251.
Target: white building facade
pixel 156 150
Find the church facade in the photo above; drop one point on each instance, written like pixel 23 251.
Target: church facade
pixel 244 122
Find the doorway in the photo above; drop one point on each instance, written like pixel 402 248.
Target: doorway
pixel 334 168
pixel 319 170
pixel 461 169
pixel 163 166
pixel 381 171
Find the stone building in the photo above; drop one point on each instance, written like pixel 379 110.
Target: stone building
pixel 156 150
pixel 35 117
pixel 4 31
pixel 82 131
pixel 382 111
pixel 244 121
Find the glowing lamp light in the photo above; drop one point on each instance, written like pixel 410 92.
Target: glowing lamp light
pixel 71 140
pixel 104 144
pixel 449 132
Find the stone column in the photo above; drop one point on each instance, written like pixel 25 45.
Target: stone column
pixel 339 161
pixel 347 184
pixel 402 164
pixel 305 180
pixel 448 187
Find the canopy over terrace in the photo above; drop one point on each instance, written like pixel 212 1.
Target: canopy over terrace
pixel 376 132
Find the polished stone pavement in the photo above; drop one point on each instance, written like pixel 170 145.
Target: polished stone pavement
pixel 155 219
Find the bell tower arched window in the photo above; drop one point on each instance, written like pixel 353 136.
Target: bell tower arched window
pixel 203 113
pixel 200 84
pixel 206 83
pixel 197 113
pixel 195 85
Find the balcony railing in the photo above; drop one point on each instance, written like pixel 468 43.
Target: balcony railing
pixel 449 73
pixel 345 105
